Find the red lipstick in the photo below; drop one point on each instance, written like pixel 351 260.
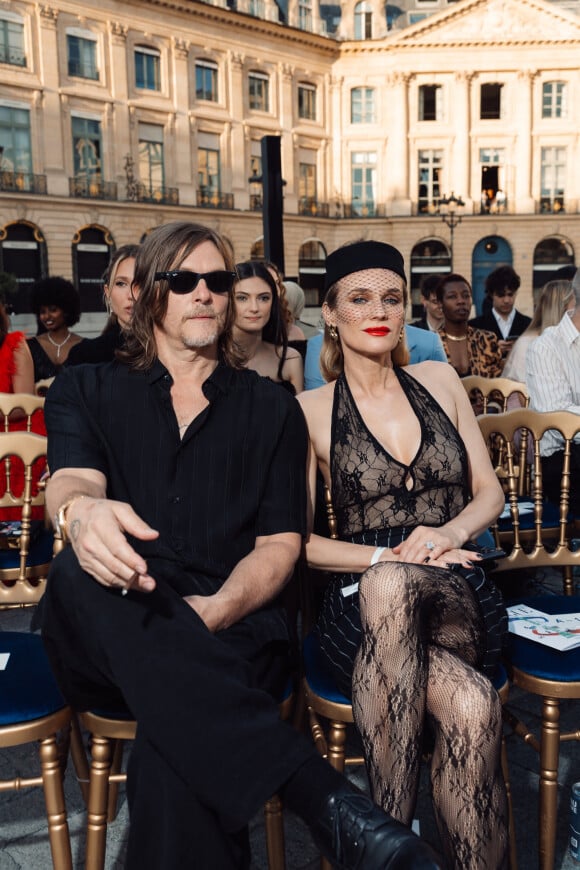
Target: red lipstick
pixel 377 330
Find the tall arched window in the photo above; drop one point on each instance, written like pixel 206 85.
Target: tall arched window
pixel 363 20
pixel 92 248
pixel 23 254
pixel 428 257
pixel 550 255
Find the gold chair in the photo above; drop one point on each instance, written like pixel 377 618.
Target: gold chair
pixel 31 706
pixel 26 552
pixel 100 781
pixel 33 710
pixel 496 390
pixel 538 669
pixel 538 532
pixel 26 403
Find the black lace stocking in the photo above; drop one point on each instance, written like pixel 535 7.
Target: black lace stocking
pixel 422 636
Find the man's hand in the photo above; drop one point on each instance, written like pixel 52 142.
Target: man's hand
pixel 209 609
pixel 505 346
pixel 96 528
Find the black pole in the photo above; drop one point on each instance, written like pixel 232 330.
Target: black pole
pixel 272 202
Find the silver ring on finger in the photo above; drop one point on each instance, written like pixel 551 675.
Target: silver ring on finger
pixel 429 545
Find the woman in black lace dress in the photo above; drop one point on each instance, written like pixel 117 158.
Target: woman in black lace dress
pixel 410 625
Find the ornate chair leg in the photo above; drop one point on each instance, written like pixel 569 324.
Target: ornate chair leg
pixel 275 843
pixel 337 744
pixel 79 757
pixel 98 802
pixel 336 756
pixel 548 796
pixel 114 786
pixel 52 781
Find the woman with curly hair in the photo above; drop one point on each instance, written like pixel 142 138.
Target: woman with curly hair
pixel 57 306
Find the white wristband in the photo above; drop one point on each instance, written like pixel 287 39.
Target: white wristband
pixel 377 555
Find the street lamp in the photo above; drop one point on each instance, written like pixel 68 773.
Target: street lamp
pixel 450 214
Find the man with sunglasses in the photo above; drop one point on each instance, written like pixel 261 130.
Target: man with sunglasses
pixel 502 318
pixel 178 477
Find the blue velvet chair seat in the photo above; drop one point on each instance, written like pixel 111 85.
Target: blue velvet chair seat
pixel 28 689
pixel 40 551
pixel 539 660
pixel 317 674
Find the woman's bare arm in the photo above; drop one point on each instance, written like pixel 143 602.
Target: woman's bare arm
pixel 23 380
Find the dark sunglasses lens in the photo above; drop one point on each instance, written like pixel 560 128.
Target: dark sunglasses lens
pixel 219 282
pixel 183 282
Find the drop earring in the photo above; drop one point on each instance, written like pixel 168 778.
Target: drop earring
pixel 333 333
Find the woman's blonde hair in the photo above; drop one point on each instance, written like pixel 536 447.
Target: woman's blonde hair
pixel 331 355
pixel 555 298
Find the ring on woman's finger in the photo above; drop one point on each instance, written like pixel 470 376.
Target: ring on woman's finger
pixel 429 545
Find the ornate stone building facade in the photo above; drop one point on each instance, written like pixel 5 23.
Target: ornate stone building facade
pixel 117 117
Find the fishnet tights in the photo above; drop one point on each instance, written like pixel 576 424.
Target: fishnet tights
pixel 421 637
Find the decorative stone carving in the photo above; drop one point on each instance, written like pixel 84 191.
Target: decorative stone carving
pixel 48 14
pixel 118 30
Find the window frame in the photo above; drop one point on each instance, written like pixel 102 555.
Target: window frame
pixel 259 102
pixel 429 160
pixel 490 113
pixel 553 161
pixel 83 71
pixel 89 174
pixel 147 51
pixel 368 182
pixel 554 104
pixel 367 103
pixel 15 153
pixel 206 69
pixel 307 100
pixel 436 99
pixel 10 20
pixel 363 20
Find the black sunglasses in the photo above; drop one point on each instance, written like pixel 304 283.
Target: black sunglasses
pixel 183 282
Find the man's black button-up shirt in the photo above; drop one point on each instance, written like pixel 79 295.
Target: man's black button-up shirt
pixel 238 473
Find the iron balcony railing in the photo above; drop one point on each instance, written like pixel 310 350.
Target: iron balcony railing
pixel 92 188
pixel 22 182
pixel 214 199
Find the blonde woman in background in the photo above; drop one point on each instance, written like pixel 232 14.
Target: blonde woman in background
pixel 556 297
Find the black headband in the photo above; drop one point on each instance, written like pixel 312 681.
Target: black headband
pixel 362 255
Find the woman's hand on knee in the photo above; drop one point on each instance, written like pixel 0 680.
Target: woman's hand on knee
pixel 426 545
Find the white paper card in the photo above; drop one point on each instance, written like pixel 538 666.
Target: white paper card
pixel 4 660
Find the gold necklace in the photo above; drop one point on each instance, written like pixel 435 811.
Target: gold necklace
pixel 455 337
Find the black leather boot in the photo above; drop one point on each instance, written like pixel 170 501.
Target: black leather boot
pixel 355 834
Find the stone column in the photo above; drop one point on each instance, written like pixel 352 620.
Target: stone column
pixel 181 177
pixel 119 130
pixel 239 142
pixel 399 194
pixel 54 134
pixel 524 201
pixel 459 173
pixel 338 169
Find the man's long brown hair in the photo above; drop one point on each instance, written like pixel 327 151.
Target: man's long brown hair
pixel 164 249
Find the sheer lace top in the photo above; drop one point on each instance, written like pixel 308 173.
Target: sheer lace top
pixel 373 490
